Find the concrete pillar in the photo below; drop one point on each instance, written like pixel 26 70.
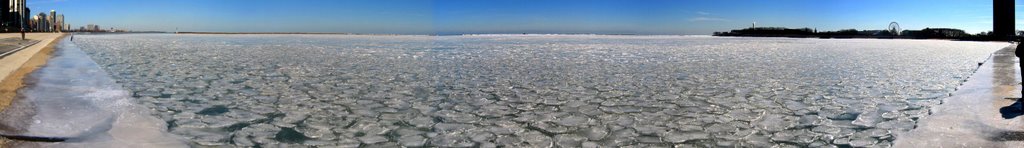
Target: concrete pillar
pixel 1003 19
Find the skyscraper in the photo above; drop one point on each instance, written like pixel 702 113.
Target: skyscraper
pixel 16 5
pixel 16 11
pixel 13 15
pixel 26 17
pixel 42 22
pixel 4 13
pixel 60 23
pixel 30 24
pixel 52 21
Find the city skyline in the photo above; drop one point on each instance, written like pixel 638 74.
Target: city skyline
pixel 529 16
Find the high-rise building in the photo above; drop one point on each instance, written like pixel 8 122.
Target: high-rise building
pixel 60 23
pixel 42 23
pixel 52 21
pixel 30 25
pixel 13 14
pixel 35 23
pixel 26 17
pixel 16 6
pixel 5 6
pixel 92 28
pixel 18 12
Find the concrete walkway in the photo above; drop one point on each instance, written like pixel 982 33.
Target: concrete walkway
pixel 14 61
pixel 14 65
pixel 971 118
pixel 14 44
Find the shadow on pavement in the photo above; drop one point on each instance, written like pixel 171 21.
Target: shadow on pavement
pixel 1013 110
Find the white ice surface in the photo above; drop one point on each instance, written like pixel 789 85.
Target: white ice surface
pixel 72 97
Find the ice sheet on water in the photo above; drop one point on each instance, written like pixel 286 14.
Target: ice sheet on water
pixel 535 91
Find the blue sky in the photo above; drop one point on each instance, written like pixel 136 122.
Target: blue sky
pixel 519 16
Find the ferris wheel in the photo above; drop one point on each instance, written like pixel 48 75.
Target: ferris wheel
pixel 894 29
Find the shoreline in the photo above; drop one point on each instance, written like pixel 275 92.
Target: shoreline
pixel 72 100
pixel 854 38
pixel 41 56
pixel 10 83
pixel 27 61
pixel 971 115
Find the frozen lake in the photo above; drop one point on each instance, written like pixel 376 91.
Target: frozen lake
pixel 534 91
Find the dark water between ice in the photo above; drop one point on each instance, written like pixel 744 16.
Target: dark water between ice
pixel 534 91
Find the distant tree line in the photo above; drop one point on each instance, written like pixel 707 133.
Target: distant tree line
pixel 927 33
